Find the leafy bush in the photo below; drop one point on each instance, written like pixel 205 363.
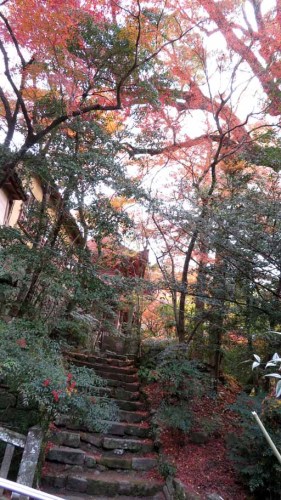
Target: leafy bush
pixel 32 365
pixel 180 380
pixel 210 426
pixel 166 469
pixel 147 375
pixel 248 449
pixel 175 416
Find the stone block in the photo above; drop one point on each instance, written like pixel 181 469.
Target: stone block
pixel 128 444
pixel 167 494
pixel 143 463
pixel 76 483
pixel 99 487
pixel 132 430
pixel 90 461
pixel 66 455
pixel 184 493
pixel 120 393
pixel 93 439
pixel 59 481
pixel 71 439
pixel 116 462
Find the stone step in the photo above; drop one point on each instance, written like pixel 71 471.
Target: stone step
pixel 137 445
pixel 121 377
pixel 133 417
pixel 120 393
pixel 118 362
pixel 126 370
pixel 66 438
pixel 90 465
pixel 99 367
pixel 73 439
pixel 83 496
pixel 107 483
pixel 131 387
pixel 117 392
pixel 124 428
pixel 122 357
pixel 126 405
pixel 66 455
pixel 91 439
pixel 102 358
pixel 126 461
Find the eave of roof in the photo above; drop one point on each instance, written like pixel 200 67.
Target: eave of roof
pixel 13 186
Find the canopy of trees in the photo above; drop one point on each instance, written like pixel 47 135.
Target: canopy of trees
pixel 156 122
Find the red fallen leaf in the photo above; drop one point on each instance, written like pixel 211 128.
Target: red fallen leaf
pixel 198 466
pixel 22 343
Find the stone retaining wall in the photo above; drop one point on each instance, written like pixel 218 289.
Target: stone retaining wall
pixel 14 414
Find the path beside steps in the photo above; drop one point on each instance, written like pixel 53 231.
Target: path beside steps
pixel 86 465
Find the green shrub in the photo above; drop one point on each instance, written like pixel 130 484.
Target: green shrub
pixel 147 375
pixel 166 469
pixel 180 380
pixel 248 449
pixel 32 366
pixel 175 416
pixel 211 425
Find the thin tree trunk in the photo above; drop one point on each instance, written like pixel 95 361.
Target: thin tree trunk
pixel 184 288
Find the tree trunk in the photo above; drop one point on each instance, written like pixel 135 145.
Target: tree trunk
pixel 184 289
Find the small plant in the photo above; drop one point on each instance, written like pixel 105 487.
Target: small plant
pixel 147 375
pixel 248 449
pixel 274 362
pixel 211 426
pixel 32 365
pixel 166 468
pixel 180 380
pixel 176 417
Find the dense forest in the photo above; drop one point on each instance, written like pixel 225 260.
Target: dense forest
pixel 140 200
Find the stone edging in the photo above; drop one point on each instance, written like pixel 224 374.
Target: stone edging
pixel 174 489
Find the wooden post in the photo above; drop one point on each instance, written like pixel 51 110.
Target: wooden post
pixel 6 462
pixel 267 436
pixel 29 459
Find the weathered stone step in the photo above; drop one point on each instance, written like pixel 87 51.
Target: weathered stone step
pixel 126 370
pixel 121 377
pixel 91 439
pixel 126 405
pixel 131 387
pixel 119 362
pixel 114 355
pixel 113 359
pixel 124 428
pixel 83 496
pixel 133 417
pixel 99 368
pixel 66 455
pixel 120 393
pixel 90 465
pixel 117 392
pixel 114 443
pixel 126 461
pixel 107 483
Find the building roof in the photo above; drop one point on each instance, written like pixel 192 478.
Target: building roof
pixel 116 258
pixel 13 186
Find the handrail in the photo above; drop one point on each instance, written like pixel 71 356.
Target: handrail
pixel 26 490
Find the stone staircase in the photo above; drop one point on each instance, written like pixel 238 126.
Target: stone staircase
pixel 84 464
